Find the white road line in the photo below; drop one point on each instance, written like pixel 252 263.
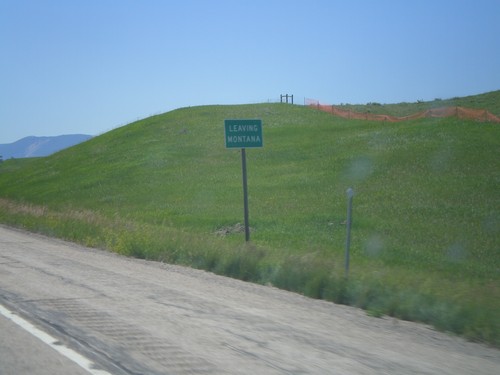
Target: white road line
pixel 80 360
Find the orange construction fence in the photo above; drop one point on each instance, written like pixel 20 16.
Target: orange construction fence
pixel 460 112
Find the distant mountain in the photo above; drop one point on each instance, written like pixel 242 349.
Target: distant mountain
pixel 30 147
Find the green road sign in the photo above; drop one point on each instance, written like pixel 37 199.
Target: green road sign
pixel 243 133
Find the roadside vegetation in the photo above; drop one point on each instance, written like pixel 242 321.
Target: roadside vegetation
pixel 426 218
pixel 489 101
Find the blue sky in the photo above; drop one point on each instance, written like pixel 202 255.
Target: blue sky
pixel 88 66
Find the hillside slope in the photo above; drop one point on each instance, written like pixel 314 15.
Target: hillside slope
pixel 426 208
pixel 489 101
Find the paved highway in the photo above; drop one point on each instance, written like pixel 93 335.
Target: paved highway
pixel 22 353
pixel 129 316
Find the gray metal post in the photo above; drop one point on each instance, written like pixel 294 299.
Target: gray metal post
pixel 245 193
pixel 350 194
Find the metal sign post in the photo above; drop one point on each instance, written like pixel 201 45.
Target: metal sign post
pixel 245 193
pixel 244 134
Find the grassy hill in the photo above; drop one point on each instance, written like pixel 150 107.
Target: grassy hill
pixel 489 101
pixel 426 230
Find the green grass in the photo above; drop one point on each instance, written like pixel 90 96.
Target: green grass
pixel 489 101
pixel 426 231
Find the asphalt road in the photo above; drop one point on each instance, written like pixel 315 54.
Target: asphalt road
pixel 135 317
pixel 17 345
